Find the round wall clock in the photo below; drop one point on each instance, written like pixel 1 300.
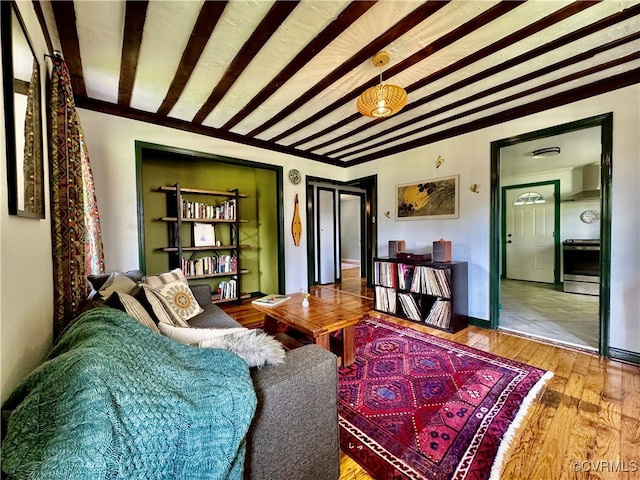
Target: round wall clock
pixel 294 176
pixel 590 216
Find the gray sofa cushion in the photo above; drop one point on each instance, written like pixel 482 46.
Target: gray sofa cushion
pixel 213 317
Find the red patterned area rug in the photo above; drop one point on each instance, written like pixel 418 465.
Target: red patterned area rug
pixel 415 406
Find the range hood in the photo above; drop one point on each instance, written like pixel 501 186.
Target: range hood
pixel 590 185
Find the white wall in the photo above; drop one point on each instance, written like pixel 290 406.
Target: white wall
pixel 469 156
pixel 111 142
pixel 26 278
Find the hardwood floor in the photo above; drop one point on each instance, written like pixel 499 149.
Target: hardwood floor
pixel 584 424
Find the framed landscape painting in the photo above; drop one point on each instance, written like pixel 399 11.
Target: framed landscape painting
pixel 428 199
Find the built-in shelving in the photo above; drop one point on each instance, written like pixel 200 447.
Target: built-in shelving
pixel 184 208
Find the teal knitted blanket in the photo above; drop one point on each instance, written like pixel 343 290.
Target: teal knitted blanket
pixel 115 400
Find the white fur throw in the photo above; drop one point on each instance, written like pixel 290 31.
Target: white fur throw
pixel 254 346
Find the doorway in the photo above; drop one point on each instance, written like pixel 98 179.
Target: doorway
pixel 518 304
pixel 343 229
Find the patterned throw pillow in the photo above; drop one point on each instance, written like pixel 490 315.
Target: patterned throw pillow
pixel 172 290
pixel 117 282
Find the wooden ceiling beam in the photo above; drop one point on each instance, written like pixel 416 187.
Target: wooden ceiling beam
pixel 208 18
pixel 485 52
pixel 437 45
pixel 134 18
pixel 416 17
pixel 582 92
pixel 152 118
pixel 505 85
pixel 65 17
pixel 348 16
pixel 268 26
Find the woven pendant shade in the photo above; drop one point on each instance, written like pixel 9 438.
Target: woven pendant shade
pixel 381 100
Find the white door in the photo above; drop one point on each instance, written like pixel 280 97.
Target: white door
pixel 327 237
pixel 530 253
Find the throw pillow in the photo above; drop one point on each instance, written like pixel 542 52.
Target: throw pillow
pixel 98 280
pixel 128 304
pixel 190 336
pixel 254 346
pixel 117 282
pixel 173 289
pixel 160 310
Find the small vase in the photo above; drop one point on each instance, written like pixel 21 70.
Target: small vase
pixel 305 302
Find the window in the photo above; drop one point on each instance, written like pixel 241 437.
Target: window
pixel 530 198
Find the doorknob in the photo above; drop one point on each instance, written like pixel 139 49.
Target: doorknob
pixel 508 235
pixel 509 241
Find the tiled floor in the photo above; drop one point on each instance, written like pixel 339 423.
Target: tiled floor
pixel 544 311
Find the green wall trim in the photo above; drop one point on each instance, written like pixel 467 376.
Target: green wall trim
pixel 624 355
pixel 478 322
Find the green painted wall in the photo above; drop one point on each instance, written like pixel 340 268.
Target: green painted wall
pixel 159 168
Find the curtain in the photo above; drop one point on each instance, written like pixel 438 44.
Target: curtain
pixel 76 236
pixel 32 165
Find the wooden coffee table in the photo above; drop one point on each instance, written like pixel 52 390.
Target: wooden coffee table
pixel 317 321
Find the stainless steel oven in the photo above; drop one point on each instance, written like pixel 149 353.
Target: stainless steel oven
pixel 581 266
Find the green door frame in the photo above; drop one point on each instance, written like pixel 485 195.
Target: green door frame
pixel 605 121
pixel 556 226
pixel 370 239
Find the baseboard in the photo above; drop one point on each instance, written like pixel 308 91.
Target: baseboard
pixel 478 322
pixel 624 355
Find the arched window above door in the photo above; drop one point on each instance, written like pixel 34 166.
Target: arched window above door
pixel 529 198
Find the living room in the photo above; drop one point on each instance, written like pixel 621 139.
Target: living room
pixel 26 303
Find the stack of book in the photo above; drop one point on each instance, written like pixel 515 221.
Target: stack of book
pixel 410 306
pixel 209 265
pixel 432 281
pixel 228 289
pixel 385 299
pixel 440 314
pixel 385 274
pixel 198 210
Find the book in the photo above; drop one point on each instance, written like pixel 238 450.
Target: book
pixel 271 300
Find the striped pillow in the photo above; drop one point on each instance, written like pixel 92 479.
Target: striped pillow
pixel 127 303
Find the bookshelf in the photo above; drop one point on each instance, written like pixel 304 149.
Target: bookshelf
pixel 204 237
pixel 430 293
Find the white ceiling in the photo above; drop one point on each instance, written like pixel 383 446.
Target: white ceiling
pixel 578 148
pixel 285 75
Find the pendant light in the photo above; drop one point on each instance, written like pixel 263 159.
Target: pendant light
pixel 381 100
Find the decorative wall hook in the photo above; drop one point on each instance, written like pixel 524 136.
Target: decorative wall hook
pixel 387 214
pixel 439 161
pixel 475 188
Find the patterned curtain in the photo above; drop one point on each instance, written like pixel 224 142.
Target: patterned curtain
pixel 32 170
pixel 76 237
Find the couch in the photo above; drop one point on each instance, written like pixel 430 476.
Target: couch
pixel 292 434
